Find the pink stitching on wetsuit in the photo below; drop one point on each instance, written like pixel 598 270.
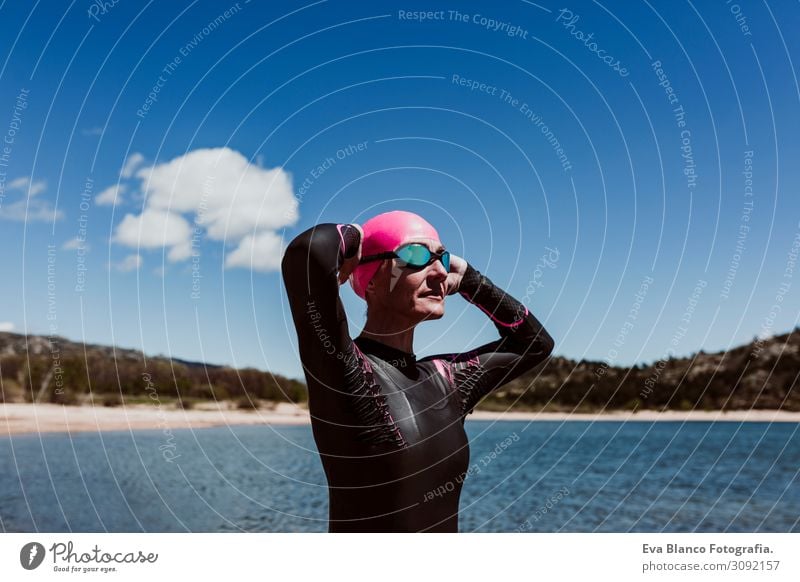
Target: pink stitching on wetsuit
pixel 372 409
pixel 469 379
pixel 445 370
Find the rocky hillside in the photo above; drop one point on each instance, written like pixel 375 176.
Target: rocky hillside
pixel 762 374
pixel 34 369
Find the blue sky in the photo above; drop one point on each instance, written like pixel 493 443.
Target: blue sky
pixel 572 153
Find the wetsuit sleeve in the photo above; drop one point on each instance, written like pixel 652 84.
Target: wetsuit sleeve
pixel 523 342
pixel 310 268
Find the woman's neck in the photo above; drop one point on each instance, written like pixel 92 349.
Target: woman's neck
pixel 398 336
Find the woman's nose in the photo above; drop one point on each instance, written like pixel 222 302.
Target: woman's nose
pixel 438 269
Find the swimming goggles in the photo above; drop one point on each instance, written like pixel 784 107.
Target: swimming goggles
pixel 412 255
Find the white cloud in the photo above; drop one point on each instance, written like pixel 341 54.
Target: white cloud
pixel 229 196
pixel 180 251
pixel 110 196
pixel 24 184
pixel 262 252
pixel 232 200
pixel 155 228
pixel 92 131
pixel 30 211
pixel 6 326
pixel 74 244
pixel 131 164
pixel 129 263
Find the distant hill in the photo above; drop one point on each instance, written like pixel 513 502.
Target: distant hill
pixel 34 369
pixel 762 374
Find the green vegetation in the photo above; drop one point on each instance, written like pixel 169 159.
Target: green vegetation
pixel 33 368
pixel 762 375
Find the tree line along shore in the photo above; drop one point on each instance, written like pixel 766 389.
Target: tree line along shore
pixel 760 375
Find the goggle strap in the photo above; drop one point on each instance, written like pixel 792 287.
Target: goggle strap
pixel 377 257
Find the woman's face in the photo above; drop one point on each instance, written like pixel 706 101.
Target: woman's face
pixel 414 294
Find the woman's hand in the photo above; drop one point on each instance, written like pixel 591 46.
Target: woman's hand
pixel 458 267
pixel 349 265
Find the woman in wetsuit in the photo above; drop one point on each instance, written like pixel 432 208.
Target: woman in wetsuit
pixel 390 427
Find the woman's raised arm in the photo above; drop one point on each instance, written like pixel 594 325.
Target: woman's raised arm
pixel 310 269
pixel 523 342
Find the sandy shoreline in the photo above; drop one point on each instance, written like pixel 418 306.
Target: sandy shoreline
pixel 647 415
pixel 48 418
pixel 45 418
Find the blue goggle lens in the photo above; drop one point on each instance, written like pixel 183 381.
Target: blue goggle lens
pixel 418 255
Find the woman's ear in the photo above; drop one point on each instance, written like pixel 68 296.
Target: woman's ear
pixel 369 289
pixel 374 288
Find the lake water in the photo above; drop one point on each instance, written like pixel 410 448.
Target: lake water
pixel 551 476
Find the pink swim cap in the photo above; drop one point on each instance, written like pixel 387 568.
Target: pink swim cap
pixel 386 232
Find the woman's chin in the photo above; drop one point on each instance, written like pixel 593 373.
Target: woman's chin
pixel 434 309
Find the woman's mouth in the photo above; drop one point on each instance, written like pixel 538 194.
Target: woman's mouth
pixel 432 295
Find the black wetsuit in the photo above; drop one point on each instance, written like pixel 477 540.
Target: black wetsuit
pixel 389 427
